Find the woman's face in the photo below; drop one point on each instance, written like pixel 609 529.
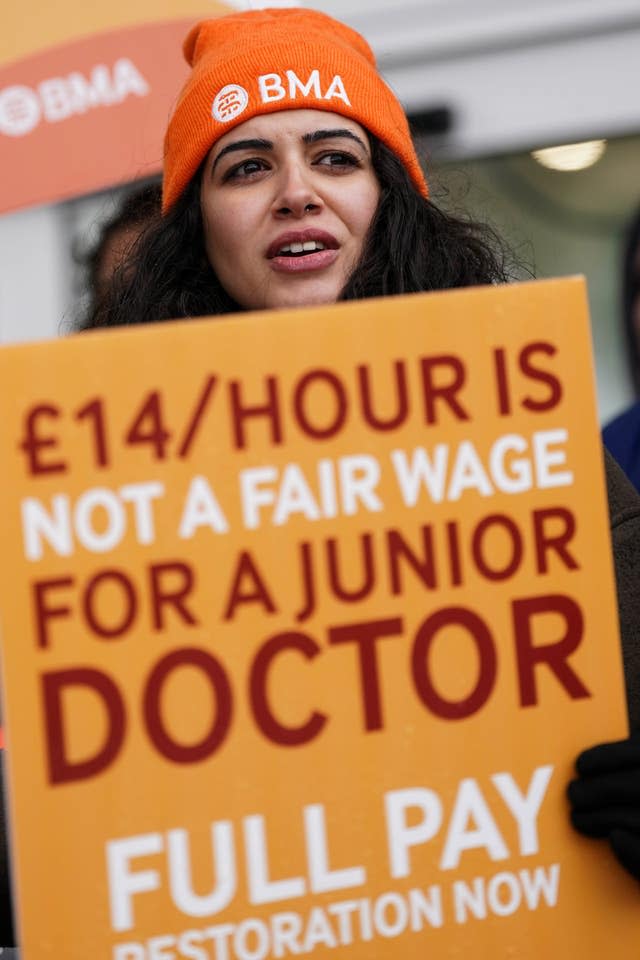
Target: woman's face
pixel 287 199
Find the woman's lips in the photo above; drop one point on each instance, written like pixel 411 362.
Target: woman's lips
pixel 288 262
pixel 317 260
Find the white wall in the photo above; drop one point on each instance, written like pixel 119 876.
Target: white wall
pixel 35 272
pixel 515 73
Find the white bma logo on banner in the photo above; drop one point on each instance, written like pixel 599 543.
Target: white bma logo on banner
pixel 19 111
pixel 229 102
pixel 58 98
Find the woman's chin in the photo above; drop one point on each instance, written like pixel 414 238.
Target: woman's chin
pixel 306 294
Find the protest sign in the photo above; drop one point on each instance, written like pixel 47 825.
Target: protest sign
pixel 305 616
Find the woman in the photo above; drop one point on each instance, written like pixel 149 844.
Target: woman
pixel 292 62
pixel 291 179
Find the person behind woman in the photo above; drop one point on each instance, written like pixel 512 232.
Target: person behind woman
pixel 622 434
pixel 291 179
pixel 117 237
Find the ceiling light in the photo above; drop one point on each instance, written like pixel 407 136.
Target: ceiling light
pixel 571 156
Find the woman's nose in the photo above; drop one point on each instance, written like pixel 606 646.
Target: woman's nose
pixel 296 196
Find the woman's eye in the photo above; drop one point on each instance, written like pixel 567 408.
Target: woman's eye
pixel 338 159
pixel 245 169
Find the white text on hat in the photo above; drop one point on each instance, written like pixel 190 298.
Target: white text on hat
pixel 272 88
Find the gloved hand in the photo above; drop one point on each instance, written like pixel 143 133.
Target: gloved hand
pixel 605 799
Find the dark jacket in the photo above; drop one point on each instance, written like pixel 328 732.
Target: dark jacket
pixel 622 439
pixel 624 515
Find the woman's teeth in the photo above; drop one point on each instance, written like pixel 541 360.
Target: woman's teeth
pixel 309 246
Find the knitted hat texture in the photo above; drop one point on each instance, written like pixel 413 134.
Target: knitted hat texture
pixel 262 61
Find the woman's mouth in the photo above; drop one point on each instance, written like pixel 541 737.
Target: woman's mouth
pixel 300 249
pixel 303 250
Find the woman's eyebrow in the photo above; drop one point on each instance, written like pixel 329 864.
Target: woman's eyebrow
pixel 331 134
pixel 242 145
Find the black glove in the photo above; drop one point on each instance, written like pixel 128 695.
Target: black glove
pixel 605 799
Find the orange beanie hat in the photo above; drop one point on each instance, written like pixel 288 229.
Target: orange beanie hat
pixel 262 61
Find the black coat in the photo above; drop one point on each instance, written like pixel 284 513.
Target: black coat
pixel 624 515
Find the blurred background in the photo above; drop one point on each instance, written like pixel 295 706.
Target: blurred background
pixel 490 87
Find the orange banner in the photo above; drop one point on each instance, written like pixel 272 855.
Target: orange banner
pixel 305 617
pixel 85 93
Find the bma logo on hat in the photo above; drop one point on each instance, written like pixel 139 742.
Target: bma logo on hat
pixel 229 102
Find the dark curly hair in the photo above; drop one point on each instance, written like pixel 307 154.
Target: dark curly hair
pixel 412 245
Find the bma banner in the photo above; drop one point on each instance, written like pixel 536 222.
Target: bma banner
pixel 305 617
pixel 86 91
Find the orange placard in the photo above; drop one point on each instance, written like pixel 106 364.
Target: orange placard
pixel 305 617
pixel 86 91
